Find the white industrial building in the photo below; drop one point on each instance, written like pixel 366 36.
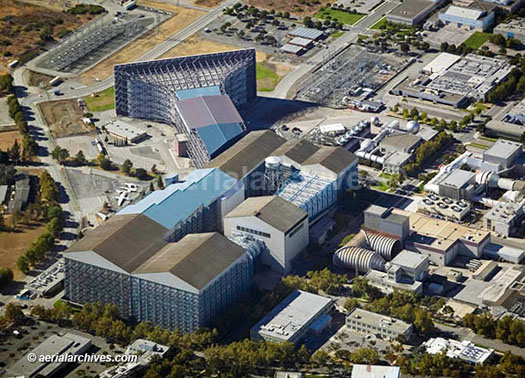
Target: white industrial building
pixel 375 371
pixel 464 350
pixel 282 226
pixel 293 318
pixel 376 324
pixel 388 221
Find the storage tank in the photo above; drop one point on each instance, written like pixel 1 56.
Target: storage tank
pixel 412 127
pixel 273 174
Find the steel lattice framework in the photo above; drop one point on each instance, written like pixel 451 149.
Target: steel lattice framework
pixel 147 90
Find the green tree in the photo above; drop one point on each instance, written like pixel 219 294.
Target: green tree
pixel 14 152
pixel 160 182
pixel 60 154
pixel 6 277
pixel 126 167
pixel 22 264
pixel 80 158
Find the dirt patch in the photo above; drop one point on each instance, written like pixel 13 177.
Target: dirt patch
pixel 22 23
pixel 181 18
pixel 293 6
pixel 7 138
pixel 64 118
pixel 35 79
pixel 15 244
pixel 198 45
pixel 207 3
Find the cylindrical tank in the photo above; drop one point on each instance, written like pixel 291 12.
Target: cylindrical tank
pixel 272 162
pixel 385 245
pixel 362 259
pixel 273 174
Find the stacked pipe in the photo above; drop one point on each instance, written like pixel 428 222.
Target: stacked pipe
pixel 386 245
pixel 358 258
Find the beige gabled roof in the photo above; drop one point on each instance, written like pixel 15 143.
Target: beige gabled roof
pixel 125 240
pixel 273 210
pixel 245 155
pixel 196 259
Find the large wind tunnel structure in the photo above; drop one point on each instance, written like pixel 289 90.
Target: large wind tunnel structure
pixel 158 90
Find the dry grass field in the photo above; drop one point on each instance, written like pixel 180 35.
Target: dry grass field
pixel 7 138
pixel 207 3
pixel 21 24
pixel 64 118
pixel 181 18
pixel 292 6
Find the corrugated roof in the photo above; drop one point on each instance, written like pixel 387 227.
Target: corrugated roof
pixel 217 137
pixel 471 13
pixel 297 150
pixel 179 200
pixel 247 154
pixel 294 49
pixel 306 32
pixel 184 94
pixel 335 159
pixel 125 240
pixel 299 41
pixel 207 110
pixel 401 141
pixel 196 259
pixel 273 210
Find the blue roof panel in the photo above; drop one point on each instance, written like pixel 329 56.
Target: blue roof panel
pixel 184 94
pixel 178 201
pixel 216 136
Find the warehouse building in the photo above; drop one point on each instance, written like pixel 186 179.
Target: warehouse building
pixel 292 319
pixel 62 346
pixel 504 153
pixel 405 143
pixel 307 33
pixel 470 77
pixel 127 262
pixel 282 226
pixel 514 28
pixel 470 18
pixel 376 324
pixel 123 133
pixel 413 12
pixel 151 90
pixel 196 204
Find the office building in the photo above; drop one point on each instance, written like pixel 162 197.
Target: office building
pixel 375 371
pixel 123 133
pixel 504 218
pixel 127 262
pixel 470 18
pixel 513 28
pixel 200 201
pixel 413 12
pixel 383 326
pixel 291 320
pixel 464 350
pixel 168 90
pixel 62 346
pixel 282 226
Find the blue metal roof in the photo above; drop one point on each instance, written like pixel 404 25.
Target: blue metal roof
pixel 178 201
pixel 184 94
pixel 216 136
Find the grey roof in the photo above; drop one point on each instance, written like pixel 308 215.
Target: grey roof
pixel 247 154
pixel 273 210
pixel 3 193
pixel 196 259
pixel 372 318
pixel 335 159
pixel 22 188
pixel 503 149
pixel 298 150
pixel 409 259
pixel 294 49
pixel 126 240
pixel 208 110
pixel 306 32
pixel 401 141
pixel 411 8
pixel 458 178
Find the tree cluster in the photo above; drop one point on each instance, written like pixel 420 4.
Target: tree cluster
pixel 426 150
pixel 506 329
pixel 514 84
pixel 457 50
pixel 91 9
pixel 29 146
pixel 6 277
pixel 12 316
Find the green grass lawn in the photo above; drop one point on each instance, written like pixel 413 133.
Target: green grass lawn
pixel 267 79
pixel 340 16
pixel 479 145
pixel 477 39
pixel 104 101
pixel 337 34
pixel 378 24
pixel 383 187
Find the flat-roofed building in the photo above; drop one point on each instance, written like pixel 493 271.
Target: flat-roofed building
pixel 406 143
pixel 308 33
pixel 123 132
pixel 126 261
pixel 504 218
pixel 413 12
pixel 292 49
pixel 282 226
pixel 303 42
pixel 514 28
pixel 504 153
pixel 414 266
pixel 54 345
pixel 464 350
pixel 442 240
pixel 458 184
pixel 372 323
pixel 291 319
pixel 375 371
pixel 386 281
pixel 470 17
pixel 388 221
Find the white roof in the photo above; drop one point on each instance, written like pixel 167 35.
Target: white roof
pixel 473 14
pixel 291 48
pixel 307 32
pixel 300 41
pixel 375 371
pixel 464 350
pixel 441 62
pixel 332 127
